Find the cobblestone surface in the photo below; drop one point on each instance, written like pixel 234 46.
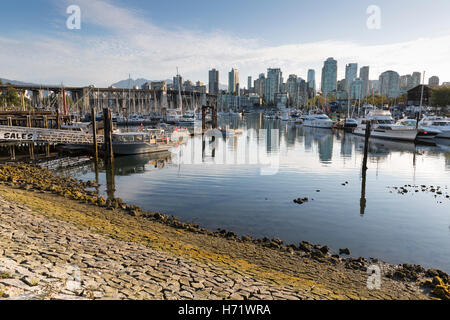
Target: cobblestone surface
pixel 50 259
pixel 42 257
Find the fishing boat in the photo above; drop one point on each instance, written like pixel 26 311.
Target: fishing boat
pixel 269 116
pixel 129 143
pixel 172 116
pixel 347 124
pixel 383 126
pixel 441 124
pixel 83 127
pixel 188 119
pixel 424 134
pixel 319 120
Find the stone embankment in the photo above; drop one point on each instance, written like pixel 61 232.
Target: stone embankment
pixel 59 240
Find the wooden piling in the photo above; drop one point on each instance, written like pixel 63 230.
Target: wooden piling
pixel 58 120
pixel 94 133
pixel 30 144
pixel 366 145
pixel 108 127
pixel 214 118
pixel 362 201
pixel 203 119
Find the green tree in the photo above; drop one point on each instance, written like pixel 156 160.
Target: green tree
pixel 440 97
pixel 11 98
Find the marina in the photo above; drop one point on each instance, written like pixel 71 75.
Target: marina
pixel 216 187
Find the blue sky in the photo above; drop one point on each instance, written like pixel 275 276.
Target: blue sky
pixel 151 38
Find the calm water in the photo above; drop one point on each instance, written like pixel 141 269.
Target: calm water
pixel 254 195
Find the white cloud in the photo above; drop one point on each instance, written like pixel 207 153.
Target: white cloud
pixel 133 45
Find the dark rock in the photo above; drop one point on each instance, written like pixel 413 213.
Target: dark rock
pixel 305 246
pixel 324 249
pixel 344 251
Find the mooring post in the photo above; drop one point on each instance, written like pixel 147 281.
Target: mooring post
pixel 94 133
pixel 47 144
pixel 362 201
pixel 366 145
pixel 214 116
pixel 30 144
pixel 58 120
pixel 107 124
pixel 12 150
pixel 203 119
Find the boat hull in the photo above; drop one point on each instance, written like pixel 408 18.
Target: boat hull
pixel 402 135
pixel 138 148
pixel 318 124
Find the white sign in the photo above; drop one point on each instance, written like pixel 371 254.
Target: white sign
pixel 17 136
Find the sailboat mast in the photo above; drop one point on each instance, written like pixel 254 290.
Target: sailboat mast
pixel 180 100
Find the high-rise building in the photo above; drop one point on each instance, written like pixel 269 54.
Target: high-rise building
pixel 213 81
pixel 341 85
pixel 273 84
pixel 433 81
pixel 312 79
pixel 292 89
pixel 364 76
pixel 405 82
pixel 260 85
pixel 329 77
pixel 351 73
pixel 416 79
pixel 178 82
pixel 374 87
pixel 302 92
pixel 249 83
pixel 390 84
pixel 233 82
pixel 356 91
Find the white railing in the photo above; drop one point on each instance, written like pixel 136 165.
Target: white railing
pixel 25 134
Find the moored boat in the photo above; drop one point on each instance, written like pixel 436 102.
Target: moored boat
pixel 383 126
pixel 319 120
pixel 129 143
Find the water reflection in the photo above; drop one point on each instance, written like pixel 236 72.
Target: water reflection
pixel 361 214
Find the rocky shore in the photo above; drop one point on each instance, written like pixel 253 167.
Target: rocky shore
pixel 60 240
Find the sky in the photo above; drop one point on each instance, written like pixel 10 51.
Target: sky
pixel 150 39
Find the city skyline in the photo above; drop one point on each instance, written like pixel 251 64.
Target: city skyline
pixel 118 38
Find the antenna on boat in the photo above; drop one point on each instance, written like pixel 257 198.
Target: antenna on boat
pixel 180 99
pixel 421 100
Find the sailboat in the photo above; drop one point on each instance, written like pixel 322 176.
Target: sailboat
pixel 173 116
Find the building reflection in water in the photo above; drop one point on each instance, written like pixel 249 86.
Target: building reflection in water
pixel 124 166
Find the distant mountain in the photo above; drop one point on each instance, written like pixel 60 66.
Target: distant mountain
pixel 17 83
pixel 131 83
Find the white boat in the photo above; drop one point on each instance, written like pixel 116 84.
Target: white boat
pixel 285 115
pixel 188 119
pixel 441 124
pixel 130 143
pixel 269 115
pixel 84 127
pixel 424 134
pixel 172 116
pixel 319 120
pixel 383 126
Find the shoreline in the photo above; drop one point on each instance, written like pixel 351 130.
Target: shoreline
pixel 292 268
